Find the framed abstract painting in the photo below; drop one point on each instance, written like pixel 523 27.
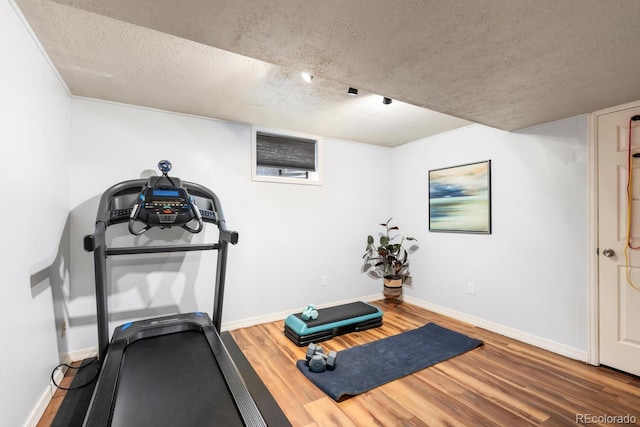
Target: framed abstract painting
pixel 460 198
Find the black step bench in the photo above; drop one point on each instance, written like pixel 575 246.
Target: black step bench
pixel 331 322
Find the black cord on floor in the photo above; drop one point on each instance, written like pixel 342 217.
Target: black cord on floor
pixel 74 367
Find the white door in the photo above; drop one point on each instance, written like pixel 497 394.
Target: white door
pixel 619 274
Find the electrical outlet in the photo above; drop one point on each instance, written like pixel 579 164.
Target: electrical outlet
pixel 323 280
pixel 471 288
pixel 408 282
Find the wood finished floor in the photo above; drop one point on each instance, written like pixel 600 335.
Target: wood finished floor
pixel 502 383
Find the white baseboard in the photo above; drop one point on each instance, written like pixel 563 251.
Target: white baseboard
pixel 544 343
pixel 86 353
pixel 45 399
pixel 267 318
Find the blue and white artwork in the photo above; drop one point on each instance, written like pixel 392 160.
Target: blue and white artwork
pixel 460 198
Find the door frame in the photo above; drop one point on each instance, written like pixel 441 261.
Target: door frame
pixel 594 308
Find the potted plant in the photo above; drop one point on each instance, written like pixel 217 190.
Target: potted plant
pixel 389 260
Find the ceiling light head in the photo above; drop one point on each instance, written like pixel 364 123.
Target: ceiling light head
pixel 352 91
pixel 386 100
pixel 307 77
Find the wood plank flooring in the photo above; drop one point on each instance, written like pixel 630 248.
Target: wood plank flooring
pixel 502 383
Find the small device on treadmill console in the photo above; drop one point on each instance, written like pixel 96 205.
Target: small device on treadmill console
pixel 164 203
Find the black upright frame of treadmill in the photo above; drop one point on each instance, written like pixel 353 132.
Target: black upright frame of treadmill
pixel 110 213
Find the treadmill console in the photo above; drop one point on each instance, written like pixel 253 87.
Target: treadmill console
pixel 164 206
pixel 164 203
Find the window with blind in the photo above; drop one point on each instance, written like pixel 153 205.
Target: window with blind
pixel 279 157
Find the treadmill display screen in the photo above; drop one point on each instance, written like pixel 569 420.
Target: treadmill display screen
pixel 165 193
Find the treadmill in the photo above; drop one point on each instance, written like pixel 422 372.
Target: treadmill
pixel 171 370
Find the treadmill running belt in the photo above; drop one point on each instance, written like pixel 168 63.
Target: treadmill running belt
pixel 168 379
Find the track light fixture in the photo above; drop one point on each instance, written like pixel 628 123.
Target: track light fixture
pixel 352 91
pixel 386 100
pixel 306 77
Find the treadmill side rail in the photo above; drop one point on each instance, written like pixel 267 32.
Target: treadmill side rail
pixel 246 405
pixel 101 405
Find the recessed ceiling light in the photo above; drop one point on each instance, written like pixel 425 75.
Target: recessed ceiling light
pixel 307 77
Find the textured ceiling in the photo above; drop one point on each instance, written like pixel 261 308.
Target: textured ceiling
pixel 509 64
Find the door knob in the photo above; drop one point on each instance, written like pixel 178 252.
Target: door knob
pixel 608 252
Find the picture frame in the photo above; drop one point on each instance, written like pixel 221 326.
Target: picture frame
pixel 460 198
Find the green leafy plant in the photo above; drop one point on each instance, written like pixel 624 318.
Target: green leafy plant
pixel 389 257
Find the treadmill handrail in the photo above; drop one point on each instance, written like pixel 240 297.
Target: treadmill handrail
pixel 96 243
pixel 162 249
pixel 107 196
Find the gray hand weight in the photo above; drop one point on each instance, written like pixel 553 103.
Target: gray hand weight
pixel 319 361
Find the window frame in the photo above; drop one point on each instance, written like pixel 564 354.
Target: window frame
pixel 314 178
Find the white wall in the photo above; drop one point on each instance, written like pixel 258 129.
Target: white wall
pixel 35 135
pixel 531 273
pixel 290 235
